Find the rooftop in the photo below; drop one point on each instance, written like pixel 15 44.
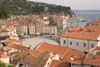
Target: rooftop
pixel 18 47
pixel 56 49
pixel 83 35
pixel 59 63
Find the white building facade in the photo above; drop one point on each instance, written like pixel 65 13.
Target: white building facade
pixel 31 29
pixel 81 41
pixel 52 30
pixel 79 44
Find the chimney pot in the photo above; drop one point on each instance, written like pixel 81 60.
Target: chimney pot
pixel 86 54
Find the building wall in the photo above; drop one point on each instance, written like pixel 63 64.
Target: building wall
pixel 4 33
pixel 19 29
pixel 56 57
pixel 45 18
pixel 3 26
pixel 77 66
pixel 80 42
pixel 31 29
pixel 94 52
pixel 46 22
pixel 24 30
pixel 5 60
pixel 39 29
pixel 64 24
pixel 50 30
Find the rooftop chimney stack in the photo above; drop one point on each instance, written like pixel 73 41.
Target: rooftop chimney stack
pixel 86 54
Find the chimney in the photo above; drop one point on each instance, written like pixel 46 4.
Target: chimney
pixel 29 50
pixel 86 54
pixel 81 29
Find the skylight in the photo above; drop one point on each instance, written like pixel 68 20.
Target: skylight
pixel 92 33
pixel 48 47
pixel 79 55
pixel 80 32
pixel 72 56
pixel 93 58
pixel 85 32
pixel 54 62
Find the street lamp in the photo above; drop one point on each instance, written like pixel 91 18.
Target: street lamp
pixel 71 61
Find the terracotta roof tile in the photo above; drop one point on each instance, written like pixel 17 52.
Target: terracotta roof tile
pixel 56 49
pixel 18 47
pixel 3 55
pixel 9 42
pixel 77 55
pixel 98 20
pixel 92 60
pixel 31 25
pixel 4 30
pixel 96 48
pixel 59 63
pixel 83 35
pixel 49 26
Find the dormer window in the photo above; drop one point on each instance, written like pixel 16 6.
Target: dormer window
pixel 79 55
pixel 93 58
pixel 72 56
pixel 54 62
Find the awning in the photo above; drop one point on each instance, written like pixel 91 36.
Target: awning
pixel 37 34
pixel 21 34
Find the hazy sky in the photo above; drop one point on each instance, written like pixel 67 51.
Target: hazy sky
pixel 76 4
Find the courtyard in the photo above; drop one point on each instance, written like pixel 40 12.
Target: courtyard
pixel 36 40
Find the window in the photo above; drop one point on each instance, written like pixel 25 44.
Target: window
pixel 92 46
pixel 79 55
pixel 77 43
pixel 70 43
pixel 84 44
pixel 64 42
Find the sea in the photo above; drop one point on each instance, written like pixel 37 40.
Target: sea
pixel 87 15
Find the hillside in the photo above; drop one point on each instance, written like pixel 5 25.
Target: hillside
pixel 17 7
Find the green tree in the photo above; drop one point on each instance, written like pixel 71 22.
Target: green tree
pixel 2 64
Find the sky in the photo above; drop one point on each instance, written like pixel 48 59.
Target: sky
pixel 75 4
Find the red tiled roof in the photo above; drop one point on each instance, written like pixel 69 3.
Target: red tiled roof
pixel 92 60
pixel 7 48
pixel 31 25
pixel 3 55
pixel 98 20
pixel 39 25
pixel 49 26
pixel 97 28
pixel 96 48
pixel 77 28
pixel 59 63
pixel 9 42
pixel 61 18
pixel 36 53
pixel 4 30
pixel 56 49
pixel 74 54
pixel 18 47
pixel 82 35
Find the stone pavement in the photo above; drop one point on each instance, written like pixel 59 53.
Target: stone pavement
pixel 35 41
